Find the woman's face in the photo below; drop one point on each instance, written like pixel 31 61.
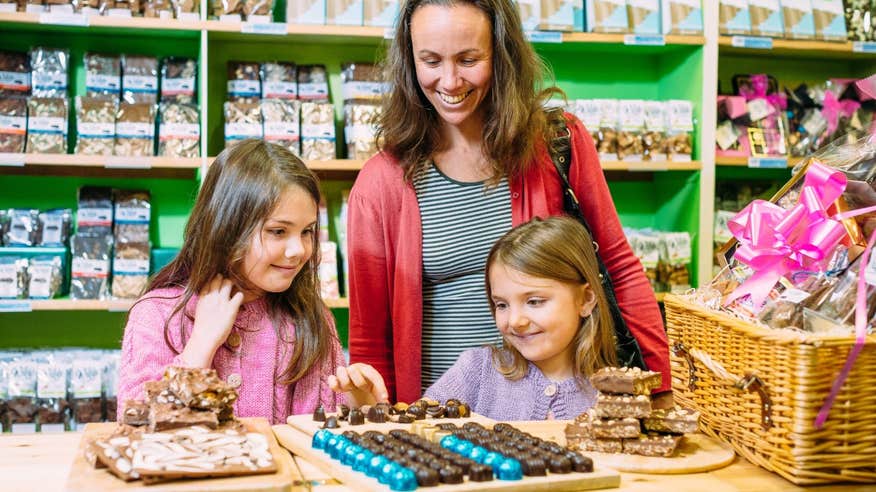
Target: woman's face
pixel 453 55
pixel 283 245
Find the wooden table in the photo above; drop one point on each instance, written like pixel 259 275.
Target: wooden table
pixel 42 461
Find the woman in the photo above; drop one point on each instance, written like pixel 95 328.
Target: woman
pixel 463 160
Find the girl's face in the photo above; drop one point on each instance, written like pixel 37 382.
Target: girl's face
pixel 283 245
pixel 540 317
pixel 453 52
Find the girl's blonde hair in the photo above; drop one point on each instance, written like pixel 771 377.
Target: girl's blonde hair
pixel 242 188
pixel 560 249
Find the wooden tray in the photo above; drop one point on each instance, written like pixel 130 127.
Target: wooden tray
pixel 300 444
pixel 697 452
pixel 307 425
pixel 83 477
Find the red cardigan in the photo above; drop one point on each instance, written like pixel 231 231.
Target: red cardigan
pixel 386 260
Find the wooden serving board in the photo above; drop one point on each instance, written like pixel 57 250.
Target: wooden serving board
pixel 84 477
pixel 300 444
pixel 696 453
pixel 307 425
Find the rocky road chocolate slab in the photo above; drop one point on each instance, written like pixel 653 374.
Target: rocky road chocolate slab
pixel 591 425
pixel 625 380
pixel 652 445
pixel 595 445
pixel 166 416
pixel 674 420
pixel 622 406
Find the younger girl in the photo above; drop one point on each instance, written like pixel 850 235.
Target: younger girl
pixel 242 295
pixel 544 290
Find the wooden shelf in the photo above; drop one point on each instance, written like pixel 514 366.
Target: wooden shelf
pixel 794 48
pixel 602 38
pixel 143 25
pixel 107 166
pixel 743 161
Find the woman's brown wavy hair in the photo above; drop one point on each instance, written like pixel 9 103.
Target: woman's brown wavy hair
pixel 557 248
pixel 514 123
pixel 242 188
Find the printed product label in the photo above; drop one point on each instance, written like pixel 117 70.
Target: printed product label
pixel 132 215
pixel 280 90
pixel 124 266
pixel 15 81
pixel 47 124
pixel 244 88
pixel 96 130
pixel 325 130
pixel 50 81
pixel 85 381
pixel 102 83
pixel 13 125
pixel 83 267
pixel 140 83
pixel 281 130
pixel 680 115
pixel 314 90
pixel 134 130
pixel 40 276
pixel 52 225
pixel 8 281
pixel 87 216
pixel 364 90
pixel 179 131
pixel 589 112
pixel 180 86
pixel 240 131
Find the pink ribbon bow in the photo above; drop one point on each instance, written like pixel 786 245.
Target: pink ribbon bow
pixel 833 108
pixel 775 242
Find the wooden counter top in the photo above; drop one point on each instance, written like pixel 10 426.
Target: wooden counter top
pixel 42 462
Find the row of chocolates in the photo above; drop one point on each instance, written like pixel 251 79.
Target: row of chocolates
pixel 54 391
pixel 163 9
pixel 636 130
pixel 759 119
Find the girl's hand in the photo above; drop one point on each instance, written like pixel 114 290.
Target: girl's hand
pixel 214 317
pixel 362 383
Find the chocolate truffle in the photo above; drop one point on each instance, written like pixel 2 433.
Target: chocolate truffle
pixel 331 423
pixel 356 417
pixel 319 414
pixel 533 467
pixel 480 473
pixel 580 463
pixel 426 477
pixel 450 474
pixel 559 464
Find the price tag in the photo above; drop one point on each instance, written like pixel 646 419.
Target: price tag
pixel 864 47
pixel 645 39
pixel 753 42
pixel 544 36
pixel 768 162
pixel 63 19
pixel 272 28
pixel 120 162
pixel 15 306
pixel 14 160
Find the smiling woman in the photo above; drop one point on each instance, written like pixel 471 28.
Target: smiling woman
pixel 463 139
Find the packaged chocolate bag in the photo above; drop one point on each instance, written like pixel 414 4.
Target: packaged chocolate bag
pixel 242 120
pixel 279 80
pixel 244 81
pixel 179 130
pixel 49 68
pixel 139 79
pixel 132 216
pixel 317 131
pixel 53 409
pixel 45 276
pixel 360 130
pixel 94 209
pixel 130 269
pixel 55 226
pixel 14 73
pixel 95 124
pixel 91 265
pixel 13 124
pixel 280 118
pixel 362 83
pixel 21 408
pixel 47 125
pixel 103 74
pixel 86 388
pixel 135 129
pixel 13 277
pixel 313 83
pixel 179 80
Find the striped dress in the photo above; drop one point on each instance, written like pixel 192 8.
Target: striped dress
pixel 461 221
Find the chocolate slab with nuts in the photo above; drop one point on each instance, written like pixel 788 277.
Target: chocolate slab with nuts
pixel 675 421
pixel 166 416
pixel 595 445
pixel 652 445
pixel 591 425
pixel 625 380
pixel 622 406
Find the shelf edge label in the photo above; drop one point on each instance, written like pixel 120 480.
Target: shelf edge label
pixel 273 28
pixel 754 42
pixel 15 306
pixel 768 162
pixel 13 160
pixel 864 47
pixel 544 37
pixel 64 19
pixel 645 40
pixel 120 162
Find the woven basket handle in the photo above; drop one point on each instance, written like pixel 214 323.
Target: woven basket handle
pixel 750 382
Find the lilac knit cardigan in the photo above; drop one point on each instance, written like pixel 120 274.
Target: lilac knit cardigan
pixel 474 380
pixel 253 363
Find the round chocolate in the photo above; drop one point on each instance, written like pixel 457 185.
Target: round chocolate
pixel 509 470
pixel 435 412
pixel 447 426
pixel 502 428
pixel 533 467
pixel 319 414
pixel 406 419
pixel 403 480
pixel 437 464
pixel 356 417
pixel 560 464
pixel 352 436
pixel 450 474
pixel 480 473
pixel 464 410
pixel 451 411
pixel 452 402
pixel 331 423
pixel 319 439
pixel 345 411
pixel 377 415
pixel 400 407
pixel 416 411
pixel 472 426
pixel 397 433
pixel 426 477
pixel 580 463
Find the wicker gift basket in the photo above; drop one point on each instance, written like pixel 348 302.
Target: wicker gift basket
pixel 760 390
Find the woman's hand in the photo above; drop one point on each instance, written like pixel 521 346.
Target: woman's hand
pixel 362 383
pixel 214 317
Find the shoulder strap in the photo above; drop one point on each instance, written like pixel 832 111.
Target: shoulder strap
pixel 560 149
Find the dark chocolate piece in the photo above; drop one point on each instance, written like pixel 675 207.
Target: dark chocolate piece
pixel 356 417
pixel 580 463
pixel 450 474
pixel 319 414
pixel 345 411
pixel 560 464
pixel 136 413
pixel 625 380
pixel 377 415
pixel 426 477
pixel 480 473
pixel 533 467
pixel 331 423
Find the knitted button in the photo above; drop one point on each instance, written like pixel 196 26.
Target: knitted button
pixel 550 390
pixel 234 379
pixel 234 339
